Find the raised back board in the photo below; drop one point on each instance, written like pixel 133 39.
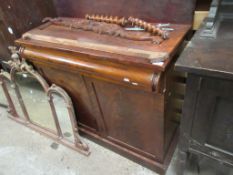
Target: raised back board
pixel 175 11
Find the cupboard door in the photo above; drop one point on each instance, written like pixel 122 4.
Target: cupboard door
pixel 213 122
pixel 132 118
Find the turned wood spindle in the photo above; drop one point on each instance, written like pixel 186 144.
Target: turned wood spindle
pixel 108 19
pixel 148 27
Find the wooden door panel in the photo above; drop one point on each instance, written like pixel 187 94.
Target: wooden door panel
pixel 213 122
pixel 132 117
pixel 221 131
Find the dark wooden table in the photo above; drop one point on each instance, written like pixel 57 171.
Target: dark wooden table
pixel 207 122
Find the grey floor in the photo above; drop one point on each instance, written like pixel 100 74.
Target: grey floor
pixel 25 152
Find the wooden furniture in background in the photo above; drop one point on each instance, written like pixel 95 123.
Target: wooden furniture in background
pixel 201 12
pixel 207 122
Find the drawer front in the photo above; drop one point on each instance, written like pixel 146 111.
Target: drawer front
pixel 119 73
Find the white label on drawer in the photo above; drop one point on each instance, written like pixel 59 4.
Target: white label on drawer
pixel 126 80
pixel 135 84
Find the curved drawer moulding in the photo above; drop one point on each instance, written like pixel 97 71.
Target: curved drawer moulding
pixel 22 66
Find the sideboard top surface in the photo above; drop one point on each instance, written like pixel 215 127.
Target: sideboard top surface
pixel 117 49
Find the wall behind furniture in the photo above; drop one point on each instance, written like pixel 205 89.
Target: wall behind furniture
pixel 19 16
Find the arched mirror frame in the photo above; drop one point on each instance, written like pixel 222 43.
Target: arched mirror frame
pixel 22 66
pixel 5 76
pixel 4 103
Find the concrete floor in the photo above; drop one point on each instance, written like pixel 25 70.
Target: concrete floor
pixel 25 152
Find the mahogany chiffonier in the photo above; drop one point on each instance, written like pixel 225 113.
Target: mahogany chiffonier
pixel 207 120
pixel 122 89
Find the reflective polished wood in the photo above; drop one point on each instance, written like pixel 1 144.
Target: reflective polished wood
pixel 122 99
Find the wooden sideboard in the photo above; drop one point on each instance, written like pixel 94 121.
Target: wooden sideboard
pixel 121 89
